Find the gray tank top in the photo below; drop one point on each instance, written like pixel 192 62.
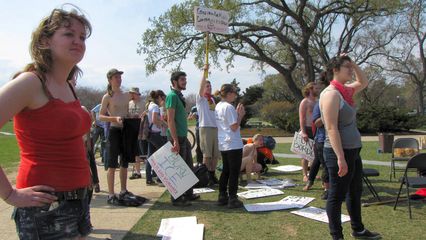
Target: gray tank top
pixel 346 122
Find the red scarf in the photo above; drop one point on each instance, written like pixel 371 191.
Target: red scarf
pixel 209 98
pixel 346 92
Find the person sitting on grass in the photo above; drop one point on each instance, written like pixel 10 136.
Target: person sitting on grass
pixel 249 162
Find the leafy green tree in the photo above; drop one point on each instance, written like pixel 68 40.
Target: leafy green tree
pixel 286 36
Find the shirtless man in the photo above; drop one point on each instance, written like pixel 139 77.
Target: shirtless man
pixel 116 104
pixel 310 92
pixel 249 163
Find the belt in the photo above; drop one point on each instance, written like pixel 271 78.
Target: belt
pixel 77 194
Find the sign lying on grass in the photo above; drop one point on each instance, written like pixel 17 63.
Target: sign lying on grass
pixel 303 148
pixel 286 203
pixel 211 20
pixel 172 170
pixel 259 193
pixel 288 168
pixel 271 183
pixel 183 228
pixel 202 190
pixel 317 214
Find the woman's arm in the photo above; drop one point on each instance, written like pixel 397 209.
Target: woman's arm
pixel 330 105
pixel 240 114
pixel 361 80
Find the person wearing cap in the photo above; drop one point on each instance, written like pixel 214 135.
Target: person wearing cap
pixel 136 108
pixel 228 120
pixel 207 127
pixel 178 129
pixel 116 103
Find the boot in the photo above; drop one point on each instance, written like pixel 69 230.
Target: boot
pixel 212 179
pixel 222 199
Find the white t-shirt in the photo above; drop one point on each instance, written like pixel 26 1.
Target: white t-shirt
pixel 226 115
pixel 206 111
pixel 153 109
pixel 163 116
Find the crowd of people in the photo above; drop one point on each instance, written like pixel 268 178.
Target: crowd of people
pixel 55 180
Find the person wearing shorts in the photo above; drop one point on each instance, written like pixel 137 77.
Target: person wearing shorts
pixel 207 124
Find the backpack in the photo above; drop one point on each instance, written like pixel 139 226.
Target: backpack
pixel 269 142
pixel 145 128
pixel 202 173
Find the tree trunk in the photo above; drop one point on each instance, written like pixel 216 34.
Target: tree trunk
pixel 421 100
pixel 292 85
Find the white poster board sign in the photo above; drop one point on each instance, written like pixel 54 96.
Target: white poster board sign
pixel 172 170
pixel 259 193
pixel 202 190
pixel 317 214
pixel 286 203
pixel 167 224
pixel 186 232
pixel 288 168
pixel 211 20
pixel 302 148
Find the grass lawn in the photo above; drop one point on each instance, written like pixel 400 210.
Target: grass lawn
pixel 222 223
pixel 9 152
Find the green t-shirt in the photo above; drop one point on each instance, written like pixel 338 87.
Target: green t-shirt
pixel 173 101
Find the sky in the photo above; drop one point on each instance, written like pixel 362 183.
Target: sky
pixel 117 28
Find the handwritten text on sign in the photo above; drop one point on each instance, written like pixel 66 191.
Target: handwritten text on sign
pixel 211 20
pixel 172 170
pixel 304 149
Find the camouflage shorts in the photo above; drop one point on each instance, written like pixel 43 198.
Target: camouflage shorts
pixel 64 220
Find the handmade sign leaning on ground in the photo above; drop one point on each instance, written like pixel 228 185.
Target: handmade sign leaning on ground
pixel 182 228
pixel 172 170
pixel 259 193
pixel 286 203
pixel 317 214
pixel 211 20
pixel 303 148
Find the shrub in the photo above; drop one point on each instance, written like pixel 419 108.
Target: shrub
pixel 282 114
pixel 371 119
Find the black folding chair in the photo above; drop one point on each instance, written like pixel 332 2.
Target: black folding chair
pixel 370 172
pixel 401 143
pixel 416 162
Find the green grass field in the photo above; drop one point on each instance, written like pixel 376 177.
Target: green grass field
pixel 222 223
pixel 9 152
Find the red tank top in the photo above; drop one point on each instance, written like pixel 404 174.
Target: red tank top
pixel 51 145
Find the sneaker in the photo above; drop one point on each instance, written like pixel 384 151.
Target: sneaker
pixel 97 188
pixel 192 197
pixel 135 176
pixel 235 203
pixel 181 203
pixel 131 199
pixel 324 195
pixel 222 200
pixel 366 235
pixel 150 182
pixel 113 200
pixel 160 183
pixel 275 162
pixel 308 186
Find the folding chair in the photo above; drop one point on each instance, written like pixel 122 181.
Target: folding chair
pixel 416 162
pixel 401 143
pixel 370 172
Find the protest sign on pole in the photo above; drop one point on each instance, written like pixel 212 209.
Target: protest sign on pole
pixel 172 170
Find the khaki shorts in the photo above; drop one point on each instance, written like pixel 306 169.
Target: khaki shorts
pixel 209 142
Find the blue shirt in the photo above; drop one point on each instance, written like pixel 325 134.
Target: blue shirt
pixel 96 110
pixel 320 132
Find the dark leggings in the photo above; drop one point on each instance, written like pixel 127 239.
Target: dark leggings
pixel 318 161
pixel 347 188
pixel 231 169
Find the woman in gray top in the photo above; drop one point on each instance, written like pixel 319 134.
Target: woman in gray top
pixel 342 146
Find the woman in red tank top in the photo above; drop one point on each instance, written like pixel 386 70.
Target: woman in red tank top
pixel 50 195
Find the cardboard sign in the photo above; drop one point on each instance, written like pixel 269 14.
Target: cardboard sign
pixel 317 214
pixel 288 168
pixel 172 170
pixel 259 193
pixel 302 148
pixel 286 203
pixel 211 20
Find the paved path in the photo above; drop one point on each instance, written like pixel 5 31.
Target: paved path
pixel 366 162
pixel 109 222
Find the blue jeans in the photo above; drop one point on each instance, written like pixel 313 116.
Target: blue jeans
pixel 347 188
pixel 98 132
pixel 155 141
pixel 68 220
